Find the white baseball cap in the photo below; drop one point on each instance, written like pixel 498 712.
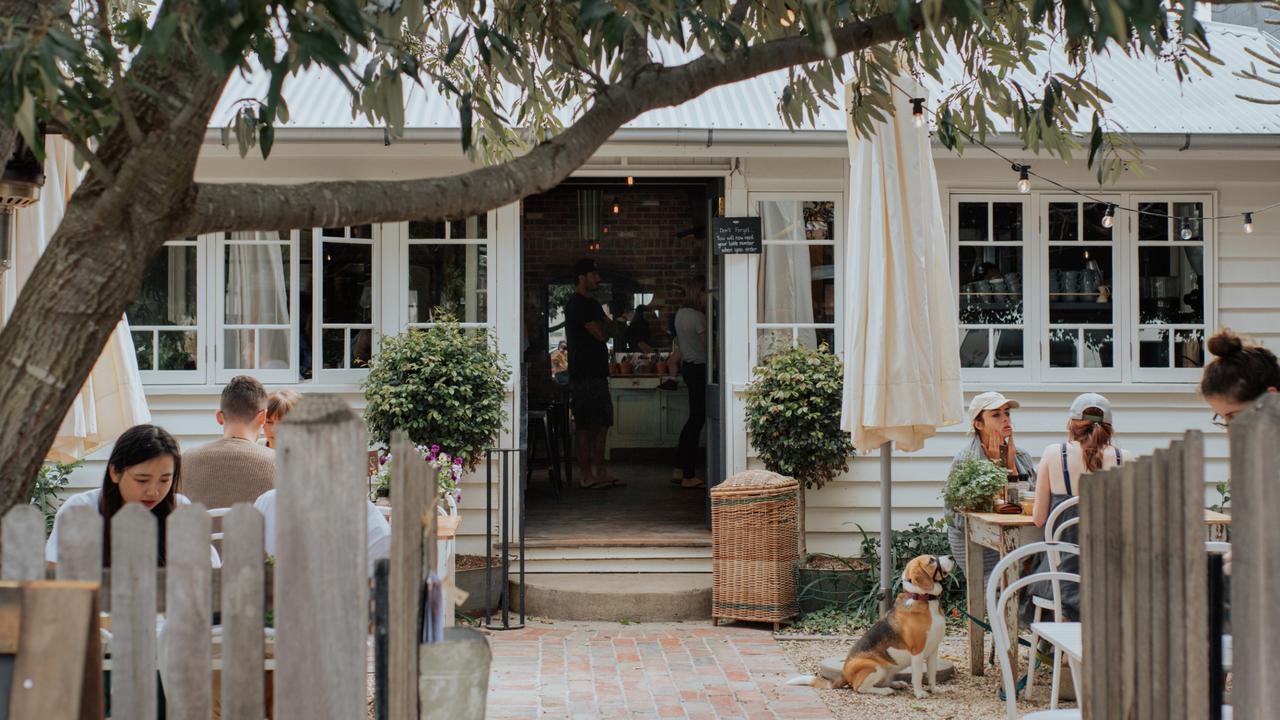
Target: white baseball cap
pixel 1091 400
pixel 989 401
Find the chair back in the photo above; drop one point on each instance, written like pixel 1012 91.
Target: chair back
pixel 997 600
pixel 1051 524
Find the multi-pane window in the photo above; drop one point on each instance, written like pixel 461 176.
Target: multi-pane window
pixel 796 291
pixel 257 280
pixel 164 318
pixel 1054 288
pixel 1170 285
pixel 991 247
pixel 447 268
pixel 339 297
pixel 1081 313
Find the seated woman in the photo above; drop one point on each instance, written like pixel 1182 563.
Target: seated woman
pixel 279 403
pixel 1088 450
pixel 377 529
pixel 991 422
pixel 145 467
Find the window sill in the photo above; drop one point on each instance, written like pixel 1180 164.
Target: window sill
pixel 1130 388
pixel 302 387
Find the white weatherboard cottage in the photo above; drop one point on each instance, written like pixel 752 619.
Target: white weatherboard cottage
pixel 1040 320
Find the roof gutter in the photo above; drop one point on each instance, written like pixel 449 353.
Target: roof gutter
pixel 704 137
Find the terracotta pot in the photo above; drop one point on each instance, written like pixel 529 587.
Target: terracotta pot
pixel 615 369
pixel 626 368
pixel 661 368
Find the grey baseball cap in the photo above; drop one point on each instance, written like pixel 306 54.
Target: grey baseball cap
pixel 1091 401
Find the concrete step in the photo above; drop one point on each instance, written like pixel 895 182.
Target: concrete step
pixel 615 558
pixel 640 597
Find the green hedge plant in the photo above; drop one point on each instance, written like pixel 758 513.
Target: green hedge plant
pixel 973 484
pixel 443 385
pixel 793 418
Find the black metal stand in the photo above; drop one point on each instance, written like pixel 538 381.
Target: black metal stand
pixel 509 462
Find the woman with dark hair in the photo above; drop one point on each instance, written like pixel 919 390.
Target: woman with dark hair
pixel 1240 373
pixel 145 467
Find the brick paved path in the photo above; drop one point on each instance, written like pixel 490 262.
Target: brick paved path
pixel 651 670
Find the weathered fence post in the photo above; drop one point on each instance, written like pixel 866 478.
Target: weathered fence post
pixel 80 545
pixel 22 544
pixel 188 649
pixel 243 589
pixel 412 487
pixel 1255 564
pixel 133 613
pixel 321 579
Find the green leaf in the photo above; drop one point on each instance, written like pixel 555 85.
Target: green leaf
pixel 464 120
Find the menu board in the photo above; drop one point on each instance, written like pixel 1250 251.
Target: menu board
pixel 736 235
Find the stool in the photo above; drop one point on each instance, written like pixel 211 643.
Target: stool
pixel 558 417
pixel 540 428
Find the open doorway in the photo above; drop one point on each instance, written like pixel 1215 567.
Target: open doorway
pixel 649 239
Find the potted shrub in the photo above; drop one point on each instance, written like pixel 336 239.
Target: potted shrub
pixel 793 419
pixel 973 485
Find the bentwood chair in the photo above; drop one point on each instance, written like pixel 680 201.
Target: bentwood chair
pixel 1053 530
pixel 998 600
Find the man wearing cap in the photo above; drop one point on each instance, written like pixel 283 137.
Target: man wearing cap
pixel 991 425
pixel 586 329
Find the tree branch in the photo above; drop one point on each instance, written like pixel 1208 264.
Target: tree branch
pixel 255 206
pixel 119 96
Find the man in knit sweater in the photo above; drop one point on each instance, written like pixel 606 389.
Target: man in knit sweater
pixel 234 468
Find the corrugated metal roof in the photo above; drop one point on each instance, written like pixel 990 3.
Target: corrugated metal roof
pixel 1148 99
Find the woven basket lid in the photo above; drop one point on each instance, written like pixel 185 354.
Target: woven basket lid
pixel 753 479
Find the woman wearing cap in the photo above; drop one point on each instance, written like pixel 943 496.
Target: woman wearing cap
pixel 992 424
pixel 1087 450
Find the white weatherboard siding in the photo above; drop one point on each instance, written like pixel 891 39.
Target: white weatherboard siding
pixel 1148 415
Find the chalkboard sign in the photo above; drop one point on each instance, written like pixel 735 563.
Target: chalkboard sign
pixel 736 235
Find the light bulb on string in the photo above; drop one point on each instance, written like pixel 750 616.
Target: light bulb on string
pixel 917 112
pixel 1185 233
pixel 789 19
pixel 1024 178
pixel 631 180
pixel 616 208
pixel 1248 223
pixel 1109 219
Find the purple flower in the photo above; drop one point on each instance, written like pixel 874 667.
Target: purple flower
pixel 383 460
pixel 435 449
pixel 457 462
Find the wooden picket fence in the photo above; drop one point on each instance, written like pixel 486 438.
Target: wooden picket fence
pixel 321 595
pixel 1255 566
pixel 1144 580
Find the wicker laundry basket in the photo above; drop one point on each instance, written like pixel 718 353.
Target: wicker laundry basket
pixel 754 521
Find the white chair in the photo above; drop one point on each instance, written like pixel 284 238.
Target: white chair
pixel 1214 547
pixel 215 514
pixel 1000 632
pixel 1052 534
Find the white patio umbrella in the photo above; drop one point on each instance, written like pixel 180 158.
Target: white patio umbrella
pixel 902 361
pixel 111 400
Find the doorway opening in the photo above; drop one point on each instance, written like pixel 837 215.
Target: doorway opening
pixel 648 237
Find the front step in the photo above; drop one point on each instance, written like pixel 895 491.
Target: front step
pixel 609 558
pixel 614 597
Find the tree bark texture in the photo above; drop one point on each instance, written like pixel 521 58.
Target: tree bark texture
pixel 93 266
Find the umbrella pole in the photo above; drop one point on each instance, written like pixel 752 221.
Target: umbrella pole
pixel 886 527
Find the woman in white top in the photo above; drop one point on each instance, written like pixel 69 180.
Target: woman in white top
pixel 145 467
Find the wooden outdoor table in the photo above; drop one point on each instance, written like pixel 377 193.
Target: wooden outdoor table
pixel 1004 534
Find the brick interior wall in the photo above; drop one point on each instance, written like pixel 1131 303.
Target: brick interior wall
pixel 649 242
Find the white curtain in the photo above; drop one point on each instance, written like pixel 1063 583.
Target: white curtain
pixel 787 287
pixel 257 293
pixel 111 400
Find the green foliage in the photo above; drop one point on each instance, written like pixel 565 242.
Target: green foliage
pixel 1224 497
pixel 793 416
pixel 972 485
pixel 50 482
pixel 862 607
pixel 442 385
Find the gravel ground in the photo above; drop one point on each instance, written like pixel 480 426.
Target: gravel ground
pixel 963 698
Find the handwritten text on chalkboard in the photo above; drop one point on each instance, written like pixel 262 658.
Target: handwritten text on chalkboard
pixel 736 235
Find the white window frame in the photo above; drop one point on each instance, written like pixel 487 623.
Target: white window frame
pixel 837 243
pixel 1030 298
pixel 345 374
pixel 1208 283
pixel 1125 288
pixel 490 271
pixel 1121 339
pixel 278 376
pixel 200 375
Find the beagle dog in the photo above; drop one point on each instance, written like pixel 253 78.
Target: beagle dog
pixel 909 634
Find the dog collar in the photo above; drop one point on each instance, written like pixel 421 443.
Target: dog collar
pixel 922 596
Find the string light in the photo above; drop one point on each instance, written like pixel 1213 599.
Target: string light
pixel 1024 186
pixel 917 111
pixel 631 180
pixel 616 207
pixel 1024 178
pixel 789 19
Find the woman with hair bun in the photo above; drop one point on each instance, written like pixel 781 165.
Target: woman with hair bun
pixel 1240 373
